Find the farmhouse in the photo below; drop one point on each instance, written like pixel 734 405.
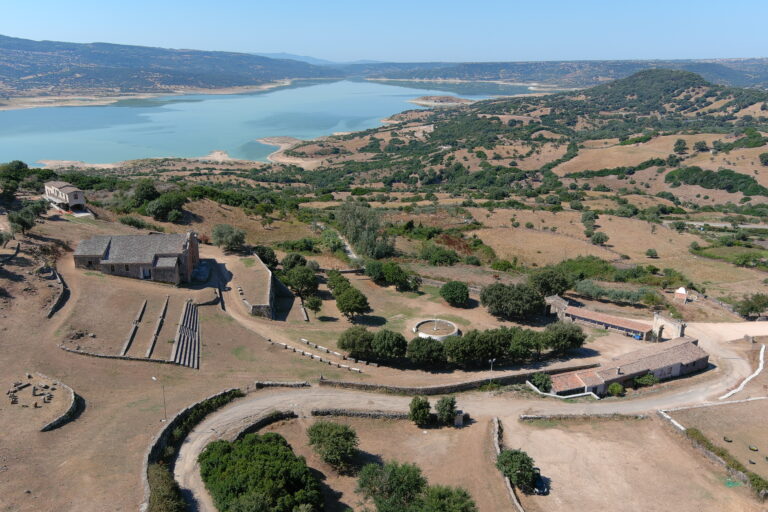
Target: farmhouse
pixel 64 195
pixel 156 256
pixel 674 358
pixel 559 306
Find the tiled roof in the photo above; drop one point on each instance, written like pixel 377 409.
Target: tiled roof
pixel 63 186
pixel 607 319
pixel 128 249
pixel 166 262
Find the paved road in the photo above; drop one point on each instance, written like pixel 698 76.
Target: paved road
pixel 227 423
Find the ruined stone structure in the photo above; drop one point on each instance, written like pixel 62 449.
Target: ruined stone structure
pixel 155 256
pixel 663 325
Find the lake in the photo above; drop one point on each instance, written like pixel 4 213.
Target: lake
pixel 195 125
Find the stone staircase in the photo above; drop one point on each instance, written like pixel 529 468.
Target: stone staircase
pixel 186 346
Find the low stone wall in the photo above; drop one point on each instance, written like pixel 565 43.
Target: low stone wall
pixel 275 384
pixel 518 378
pixel 268 419
pixel 160 441
pixel 158 326
pixel 498 445
pixel 577 417
pixel 561 397
pixel 61 297
pixel 355 413
pixel 109 356
pixel 71 411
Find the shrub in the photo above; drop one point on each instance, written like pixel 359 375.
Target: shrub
pixel 351 302
pixel 161 208
pixel 258 470
pixel 542 381
pixel 418 411
pixel 314 304
pixel 440 498
pixel 550 281
pixel 336 444
pixel 228 237
pixel 455 293
pixel 599 238
pixel 165 495
pixel 615 389
pixel 519 467
pixel 648 379
pixel 651 253
pixel 393 486
pixel 438 256
pixel 266 255
pixel 138 223
pixel 517 301
pixel 293 260
pixel 446 410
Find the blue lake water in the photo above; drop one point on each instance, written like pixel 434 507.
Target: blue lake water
pixel 195 125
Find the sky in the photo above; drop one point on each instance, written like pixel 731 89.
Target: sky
pixel 409 31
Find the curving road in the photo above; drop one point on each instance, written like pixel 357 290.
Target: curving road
pixel 228 422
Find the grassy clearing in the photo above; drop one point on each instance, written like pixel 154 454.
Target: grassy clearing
pixel 248 262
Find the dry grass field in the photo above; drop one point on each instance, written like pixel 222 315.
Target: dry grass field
pixel 628 465
pixel 447 456
pixel 743 423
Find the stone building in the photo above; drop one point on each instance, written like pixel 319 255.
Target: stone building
pixel 668 360
pixel 64 195
pixel 155 256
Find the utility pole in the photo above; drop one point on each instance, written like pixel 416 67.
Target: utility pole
pixel 162 388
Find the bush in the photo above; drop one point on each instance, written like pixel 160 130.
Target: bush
pixel 542 381
pixel 418 411
pixel 519 467
pixel 599 238
pixel 336 444
pixel 260 470
pixel 440 498
pixel 314 304
pixel 266 255
pixel 446 410
pixel 293 260
pixel 517 301
pixel 438 256
pixel 228 237
pixel 550 281
pixel 615 389
pixel 138 223
pixel 455 293
pixel 165 495
pixel 648 379
pixel 426 352
pixel 651 253
pixel 161 208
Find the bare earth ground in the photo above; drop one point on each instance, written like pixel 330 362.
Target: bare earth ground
pixel 31 413
pixel 632 465
pixel 436 451
pixel 744 423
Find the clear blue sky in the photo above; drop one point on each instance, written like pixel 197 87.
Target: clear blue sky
pixel 413 30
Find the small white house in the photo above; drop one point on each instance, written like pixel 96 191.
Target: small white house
pixel 64 195
pixel 681 295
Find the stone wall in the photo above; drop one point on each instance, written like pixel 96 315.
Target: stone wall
pixel 109 356
pixel 518 378
pixel 268 419
pixel 61 296
pixel 497 433
pixel 355 413
pixel 72 409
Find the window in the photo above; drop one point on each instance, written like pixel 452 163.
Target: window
pixel 126 268
pixel 111 268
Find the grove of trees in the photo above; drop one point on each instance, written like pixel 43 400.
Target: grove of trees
pixel 228 237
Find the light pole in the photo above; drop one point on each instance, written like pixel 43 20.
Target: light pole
pixel 162 387
pixel 492 361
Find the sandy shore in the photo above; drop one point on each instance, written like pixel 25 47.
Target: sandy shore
pixel 284 144
pixel 17 103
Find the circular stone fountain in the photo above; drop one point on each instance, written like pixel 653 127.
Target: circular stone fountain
pixel 436 329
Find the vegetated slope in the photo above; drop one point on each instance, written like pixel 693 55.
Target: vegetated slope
pixel 27 65
pixel 571 73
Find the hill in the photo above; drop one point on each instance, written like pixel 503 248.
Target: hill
pixel 55 67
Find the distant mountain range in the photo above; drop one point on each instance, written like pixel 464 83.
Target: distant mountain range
pixel 30 68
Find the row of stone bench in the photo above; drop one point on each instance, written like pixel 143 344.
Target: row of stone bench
pixel 337 354
pixel 317 357
pixel 187 344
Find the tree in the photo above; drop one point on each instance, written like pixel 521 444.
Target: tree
pixel 680 147
pixel 358 341
pixel 441 498
pixel 446 410
pixel 375 270
pixel 648 379
pixel 542 381
pixel 266 255
pixel 160 208
pixel 314 304
pixel 418 411
pixel 5 237
pixel 700 146
pixel 426 352
pixel 517 301
pixel 302 280
pixel 550 281
pixel 336 444
pixel 764 158
pixel 352 303
pixel 144 192
pixel 651 253
pixel 393 487
pixel 293 260
pixel 228 237
pixel 560 337
pixel 519 467
pixel 615 389
pixel 21 221
pixel 599 238
pixel 389 345
pixel 752 305
pixel 362 227
pixel 455 293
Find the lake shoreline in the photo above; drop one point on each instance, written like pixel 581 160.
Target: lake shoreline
pixel 84 100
